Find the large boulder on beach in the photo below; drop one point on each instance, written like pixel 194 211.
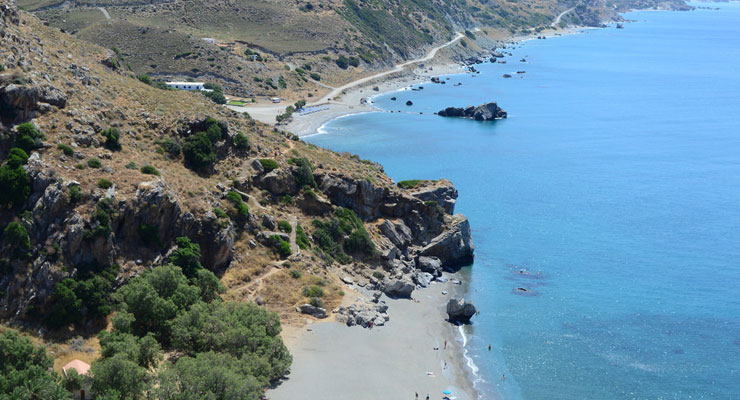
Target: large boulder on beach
pixel 460 311
pixel 398 288
pixel 316 312
pixel 431 265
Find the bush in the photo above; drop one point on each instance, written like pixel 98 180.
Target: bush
pixel 342 62
pixel 315 76
pixel 199 151
pixel 216 94
pixel 104 183
pixel 378 275
pixel 354 61
pixel 304 175
pixel 281 246
pixel 75 193
pixel 410 184
pixel 94 162
pixel 145 79
pixel 16 236
pixel 301 238
pixel 313 291
pixel 28 137
pixel 269 164
pixel 112 135
pixel 295 274
pixel 284 226
pixel 131 165
pixel 149 170
pixel 317 302
pixel 300 104
pixel 236 199
pixel 86 296
pixel 240 141
pixel 171 147
pixel 15 186
pixel 66 149
pixel 17 157
pixel 220 213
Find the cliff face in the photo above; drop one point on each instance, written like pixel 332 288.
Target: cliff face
pixel 87 201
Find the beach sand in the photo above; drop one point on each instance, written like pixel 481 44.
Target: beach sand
pixel 333 361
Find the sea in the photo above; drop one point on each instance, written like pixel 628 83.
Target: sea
pixel 605 209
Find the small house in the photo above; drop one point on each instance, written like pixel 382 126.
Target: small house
pixel 186 85
pixel 82 368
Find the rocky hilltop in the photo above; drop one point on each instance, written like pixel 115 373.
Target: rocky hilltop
pixel 114 171
pixel 483 112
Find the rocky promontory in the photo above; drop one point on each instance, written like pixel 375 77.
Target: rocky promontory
pixel 484 112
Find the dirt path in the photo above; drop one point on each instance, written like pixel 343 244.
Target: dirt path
pixel 294 249
pixel 105 12
pixel 557 19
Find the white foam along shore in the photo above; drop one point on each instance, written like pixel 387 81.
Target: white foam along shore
pixel 395 361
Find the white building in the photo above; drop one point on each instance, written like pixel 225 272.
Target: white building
pixel 82 368
pixel 186 85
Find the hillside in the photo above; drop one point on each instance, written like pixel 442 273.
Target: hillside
pixel 110 185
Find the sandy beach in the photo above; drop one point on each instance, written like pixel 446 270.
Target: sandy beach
pixel 395 361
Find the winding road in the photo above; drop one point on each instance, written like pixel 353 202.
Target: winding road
pixel 267 113
pixel 557 19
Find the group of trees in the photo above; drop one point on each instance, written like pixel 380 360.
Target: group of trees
pixel 343 236
pixel 199 148
pixel 228 350
pixel 15 184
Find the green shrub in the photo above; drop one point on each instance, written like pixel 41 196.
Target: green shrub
pixel 354 61
pixel 104 183
pixel 112 135
pixel 313 291
pixel 295 274
pixel 236 199
pixel 342 62
pixel 317 302
pixel 66 149
pixel 28 137
pixel 304 175
pixel 281 246
pixel 281 81
pixel 284 226
pixel 171 147
pixel 131 165
pixel 378 275
pixel 301 238
pixel 186 256
pixel 286 200
pixel 15 186
pixel 240 141
pixel 199 151
pixel 410 184
pixel 85 297
pixel 94 162
pixel 149 170
pixel 220 213
pixel 75 193
pixel 315 76
pixel 269 164
pixel 300 104
pixel 16 235
pixel 17 157
pixel 145 79
pixel 26 370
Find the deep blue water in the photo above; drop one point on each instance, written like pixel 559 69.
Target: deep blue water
pixel 614 184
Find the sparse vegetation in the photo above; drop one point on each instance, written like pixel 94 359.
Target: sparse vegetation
pixel 284 226
pixel 269 164
pixel 66 149
pixel 410 184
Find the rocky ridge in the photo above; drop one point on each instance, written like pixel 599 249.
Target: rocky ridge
pixel 483 112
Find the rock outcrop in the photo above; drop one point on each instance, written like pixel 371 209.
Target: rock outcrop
pixel 483 112
pixel 398 288
pixel 316 312
pixel 460 311
pixel 364 315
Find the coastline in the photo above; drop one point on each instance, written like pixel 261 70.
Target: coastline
pixel 391 363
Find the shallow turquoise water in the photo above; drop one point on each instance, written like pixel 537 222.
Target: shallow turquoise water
pixel 615 184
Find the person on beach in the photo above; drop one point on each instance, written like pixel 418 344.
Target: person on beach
pixel 417 395
pixel 427 396
pixel 445 344
pixel 445 365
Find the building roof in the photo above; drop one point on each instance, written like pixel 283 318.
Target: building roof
pixel 185 83
pixel 78 365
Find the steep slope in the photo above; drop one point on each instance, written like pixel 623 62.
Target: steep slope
pixel 118 170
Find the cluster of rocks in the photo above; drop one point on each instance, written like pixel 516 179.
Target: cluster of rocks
pixel 364 315
pixel 483 112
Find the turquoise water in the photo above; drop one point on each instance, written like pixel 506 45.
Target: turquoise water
pixel 614 185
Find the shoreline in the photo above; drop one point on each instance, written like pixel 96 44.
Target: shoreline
pixel 385 361
pixel 350 102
